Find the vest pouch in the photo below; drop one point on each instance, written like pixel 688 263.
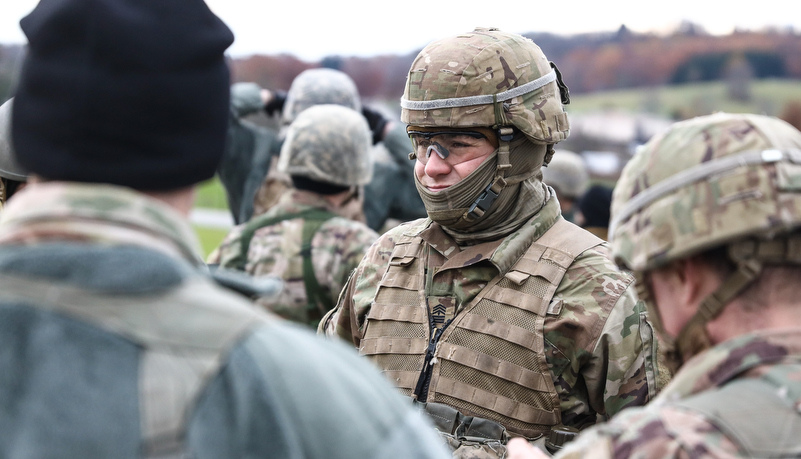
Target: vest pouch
pixel 468 437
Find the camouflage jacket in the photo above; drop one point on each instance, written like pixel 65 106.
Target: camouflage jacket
pixel 675 424
pixel 337 248
pixel 101 287
pixel 599 347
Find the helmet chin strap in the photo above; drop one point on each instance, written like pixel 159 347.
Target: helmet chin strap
pixel 694 338
pixel 491 192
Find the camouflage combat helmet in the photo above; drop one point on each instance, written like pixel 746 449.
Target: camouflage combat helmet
pixel 487 78
pixel 328 143
pixel 319 86
pixel 724 180
pixel 9 168
pixel 567 173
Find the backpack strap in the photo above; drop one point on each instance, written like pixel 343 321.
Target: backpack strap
pixel 256 224
pixel 315 295
pixel 313 219
pixel 185 334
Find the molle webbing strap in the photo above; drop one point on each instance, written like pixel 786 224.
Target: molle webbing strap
pixel 185 335
pixel 497 403
pixel 503 369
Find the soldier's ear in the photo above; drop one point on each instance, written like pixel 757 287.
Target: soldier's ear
pixel 678 290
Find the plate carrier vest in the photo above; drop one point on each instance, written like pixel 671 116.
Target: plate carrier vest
pixel 489 361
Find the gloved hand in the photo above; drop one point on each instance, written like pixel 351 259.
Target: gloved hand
pixel 276 103
pixel 377 123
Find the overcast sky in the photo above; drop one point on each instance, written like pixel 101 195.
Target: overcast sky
pixel 314 29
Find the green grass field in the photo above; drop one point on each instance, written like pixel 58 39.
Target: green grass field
pixel 768 97
pixel 210 238
pixel 210 195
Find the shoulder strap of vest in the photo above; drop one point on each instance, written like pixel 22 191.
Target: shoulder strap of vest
pixel 314 292
pixel 185 335
pixel 569 238
pixel 266 220
pixel 756 414
pixel 313 219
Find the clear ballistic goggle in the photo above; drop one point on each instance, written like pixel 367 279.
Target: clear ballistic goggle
pixel 453 146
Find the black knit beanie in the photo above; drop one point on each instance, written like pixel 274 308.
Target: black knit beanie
pixel 127 92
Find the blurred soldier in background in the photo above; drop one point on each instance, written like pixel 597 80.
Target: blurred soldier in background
pixel 12 177
pixel 307 238
pixel 567 175
pixel 114 343
pixel 593 210
pixel 248 171
pixel 497 313
pixel 708 215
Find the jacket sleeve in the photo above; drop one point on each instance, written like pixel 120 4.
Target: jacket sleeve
pixel 347 319
pixel 622 367
pixel 600 345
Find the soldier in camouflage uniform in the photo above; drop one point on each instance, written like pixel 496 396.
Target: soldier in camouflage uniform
pixel 708 216
pixel 252 182
pixel 12 177
pixel 307 238
pixel 114 342
pixel 499 315
pixel 567 175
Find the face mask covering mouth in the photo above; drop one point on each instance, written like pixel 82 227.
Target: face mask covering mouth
pixel 521 197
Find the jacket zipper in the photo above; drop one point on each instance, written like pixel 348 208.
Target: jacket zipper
pixel 424 381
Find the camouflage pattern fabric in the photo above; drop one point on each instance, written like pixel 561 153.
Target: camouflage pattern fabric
pixel 337 248
pixel 599 346
pixel 319 86
pixel 666 429
pixel 330 144
pixel 743 197
pixel 97 213
pixel 487 78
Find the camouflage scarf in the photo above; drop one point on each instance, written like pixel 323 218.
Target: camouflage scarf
pixel 522 197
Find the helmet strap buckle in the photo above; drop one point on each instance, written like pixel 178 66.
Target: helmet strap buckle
pixel 484 201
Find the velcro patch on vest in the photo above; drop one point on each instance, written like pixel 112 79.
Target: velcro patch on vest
pixel 404 253
pixel 441 308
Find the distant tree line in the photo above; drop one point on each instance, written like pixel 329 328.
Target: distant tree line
pixel 588 62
